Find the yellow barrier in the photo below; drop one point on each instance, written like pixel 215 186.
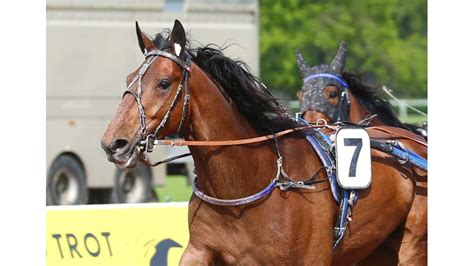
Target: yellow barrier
pixel 129 235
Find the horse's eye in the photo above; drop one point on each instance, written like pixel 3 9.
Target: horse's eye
pixel 164 84
pixel 333 95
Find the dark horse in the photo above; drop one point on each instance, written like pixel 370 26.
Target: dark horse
pixel 202 95
pixel 333 95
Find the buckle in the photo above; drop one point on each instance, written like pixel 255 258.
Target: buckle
pixel 150 143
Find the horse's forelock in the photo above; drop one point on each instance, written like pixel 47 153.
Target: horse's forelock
pixel 161 40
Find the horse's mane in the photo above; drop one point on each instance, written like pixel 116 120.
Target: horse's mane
pixel 368 97
pixel 253 100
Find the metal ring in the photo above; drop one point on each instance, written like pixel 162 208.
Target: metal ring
pixel 324 122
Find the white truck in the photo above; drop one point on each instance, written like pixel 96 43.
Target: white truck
pixel 91 48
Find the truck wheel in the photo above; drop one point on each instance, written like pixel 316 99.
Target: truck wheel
pixel 66 184
pixel 133 186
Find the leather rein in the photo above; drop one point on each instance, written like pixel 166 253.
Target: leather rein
pixel 180 142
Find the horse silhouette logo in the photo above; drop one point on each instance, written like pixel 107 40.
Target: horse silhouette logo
pixel 160 258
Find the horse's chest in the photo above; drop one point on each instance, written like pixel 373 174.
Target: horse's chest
pixel 251 236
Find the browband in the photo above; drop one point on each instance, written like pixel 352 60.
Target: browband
pixel 176 59
pixel 327 75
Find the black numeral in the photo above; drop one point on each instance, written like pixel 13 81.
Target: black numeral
pixel 358 143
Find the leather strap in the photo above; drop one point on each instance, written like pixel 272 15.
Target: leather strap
pixel 374 132
pixel 174 58
pixel 235 142
pixel 387 132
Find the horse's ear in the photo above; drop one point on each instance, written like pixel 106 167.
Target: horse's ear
pixel 145 42
pixel 178 39
pixel 339 61
pixel 303 67
pixel 299 95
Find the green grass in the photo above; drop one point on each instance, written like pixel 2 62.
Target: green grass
pixel 176 188
pixel 415 119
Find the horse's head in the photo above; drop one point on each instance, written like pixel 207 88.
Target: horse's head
pixel 154 104
pixel 324 93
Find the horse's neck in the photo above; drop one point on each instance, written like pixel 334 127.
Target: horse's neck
pixel 233 171
pixel 358 112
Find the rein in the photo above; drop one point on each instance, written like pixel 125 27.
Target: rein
pixel 397 135
pixel 180 142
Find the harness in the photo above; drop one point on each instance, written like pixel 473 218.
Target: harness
pixel 324 148
pixel 281 179
pixel 346 199
pixel 322 145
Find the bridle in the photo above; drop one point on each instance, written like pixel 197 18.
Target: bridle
pixel 147 142
pixel 343 106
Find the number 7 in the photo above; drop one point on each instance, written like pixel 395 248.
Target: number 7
pixel 355 157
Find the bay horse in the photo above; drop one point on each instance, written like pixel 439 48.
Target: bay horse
pixel 330 94
pixel 202 95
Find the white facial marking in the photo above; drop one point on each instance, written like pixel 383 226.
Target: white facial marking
pixel 177 49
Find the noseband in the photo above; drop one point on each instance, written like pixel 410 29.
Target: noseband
pixel 343 105
pixel 147 142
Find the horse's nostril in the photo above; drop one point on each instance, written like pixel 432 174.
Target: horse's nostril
pixel 117 144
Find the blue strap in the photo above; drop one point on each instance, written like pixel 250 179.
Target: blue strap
pixel 417 160
pixel 325 158
pixel 413 158
pixel 340 229
pixel 327 75
pixel 404 154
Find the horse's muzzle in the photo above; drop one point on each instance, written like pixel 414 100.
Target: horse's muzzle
pixel 121 152
pixel 313 116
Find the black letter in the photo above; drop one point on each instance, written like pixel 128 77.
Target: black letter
pixel 57 237
pixel 106 235
pixel 72 246
pixel 89 235
pixel 355 156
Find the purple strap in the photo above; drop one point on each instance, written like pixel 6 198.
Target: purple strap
pixel 327 163
pixel 233 202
